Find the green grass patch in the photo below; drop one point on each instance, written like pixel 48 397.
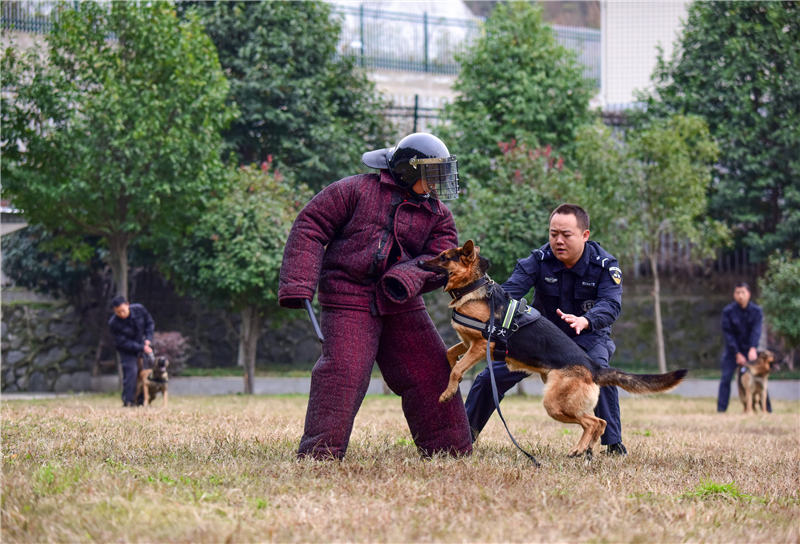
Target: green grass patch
pixel 708 489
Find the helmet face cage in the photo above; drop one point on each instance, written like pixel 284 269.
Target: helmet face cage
pixel 439 175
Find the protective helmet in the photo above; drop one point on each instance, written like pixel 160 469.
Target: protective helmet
pixel 419 156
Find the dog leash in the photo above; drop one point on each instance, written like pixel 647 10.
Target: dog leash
pixel 494 384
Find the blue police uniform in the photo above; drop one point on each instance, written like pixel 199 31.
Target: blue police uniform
pixel 592 289
pixel 129 336
pixel 741 330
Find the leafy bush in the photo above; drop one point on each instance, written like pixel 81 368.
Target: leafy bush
pixel 515 82
pixel 174 346
pixel 737 64
pixel 312 110
pixel 508 215
pixel 780 297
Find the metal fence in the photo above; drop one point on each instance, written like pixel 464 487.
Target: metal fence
pixel 424 43
pixel 27 16
pixel 417 42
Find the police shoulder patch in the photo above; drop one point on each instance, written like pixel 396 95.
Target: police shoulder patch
pixel 616 274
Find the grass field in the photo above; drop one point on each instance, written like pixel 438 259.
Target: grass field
pixel 223 469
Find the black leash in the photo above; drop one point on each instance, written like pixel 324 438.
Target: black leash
pixel 494 384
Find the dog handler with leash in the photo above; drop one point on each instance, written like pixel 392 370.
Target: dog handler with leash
pixel 132 328
pixel 577 286
pixel 358 242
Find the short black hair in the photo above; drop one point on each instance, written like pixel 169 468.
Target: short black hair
pixel 573 209
pixel 743 284
pixel 118 300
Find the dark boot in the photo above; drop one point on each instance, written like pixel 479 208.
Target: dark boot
pixel 617 449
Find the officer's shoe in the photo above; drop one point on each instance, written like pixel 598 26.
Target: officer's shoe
pixel 474 432
pixel 617 449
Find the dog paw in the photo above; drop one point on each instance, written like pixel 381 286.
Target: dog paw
pixel 447 395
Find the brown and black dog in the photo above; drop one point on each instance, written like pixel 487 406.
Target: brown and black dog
pixel 752 380
pixel 572 379
pixel 152 380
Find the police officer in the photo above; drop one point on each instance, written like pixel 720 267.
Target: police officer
pixel 741 330
pixel 132 329
pixel 578 287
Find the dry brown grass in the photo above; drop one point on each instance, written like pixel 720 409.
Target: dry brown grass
pixel 223 469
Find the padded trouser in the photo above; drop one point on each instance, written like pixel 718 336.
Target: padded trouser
pixel 480 402
pixel 413 361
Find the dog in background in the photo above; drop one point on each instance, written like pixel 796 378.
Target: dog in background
pixel 572 380
pixel 152 378
pixel 752 379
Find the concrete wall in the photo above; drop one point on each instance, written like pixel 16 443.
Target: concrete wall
pixel 630 35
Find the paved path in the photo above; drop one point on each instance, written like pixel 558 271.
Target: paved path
pixel 778 389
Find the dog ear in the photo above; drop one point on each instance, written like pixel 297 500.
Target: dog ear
pixel 468 248
pixel 483 264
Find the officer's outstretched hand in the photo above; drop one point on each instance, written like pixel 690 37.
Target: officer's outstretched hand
pixel 578 323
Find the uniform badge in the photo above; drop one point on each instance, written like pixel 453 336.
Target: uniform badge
pixel 587 305
pixel 550 279
pixel 616 274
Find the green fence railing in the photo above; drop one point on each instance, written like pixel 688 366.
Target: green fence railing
pixel 424 43
pixel 416 42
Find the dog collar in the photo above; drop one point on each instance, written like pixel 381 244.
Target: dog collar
pixel 477 284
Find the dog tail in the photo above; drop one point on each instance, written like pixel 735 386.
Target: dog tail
pixel 640 383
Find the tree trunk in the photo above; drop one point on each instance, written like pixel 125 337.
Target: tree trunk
pixel 118 260
pixel 248 340
pixel 662 358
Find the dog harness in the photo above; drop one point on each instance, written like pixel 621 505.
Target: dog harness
pixel 517 314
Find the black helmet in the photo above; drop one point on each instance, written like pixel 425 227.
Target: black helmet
pixel 419 156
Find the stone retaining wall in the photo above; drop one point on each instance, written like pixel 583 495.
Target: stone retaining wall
pixel 48 346
pixel 45 348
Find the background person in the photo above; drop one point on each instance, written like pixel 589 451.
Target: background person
pixel 132 328
pixel 359 241
pixel 578 286
pixel 741 332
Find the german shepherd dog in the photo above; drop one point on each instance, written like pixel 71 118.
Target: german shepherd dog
pixel 572 379
pixel 752 381
pixel 152 378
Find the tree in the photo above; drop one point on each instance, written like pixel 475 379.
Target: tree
pixel 35 259
pixel 315 113
pixel 780 297
pixel 116 133
pixel 653 184
pixel 508 215
pixel 737 64
pixel 516 83
pixel 232 255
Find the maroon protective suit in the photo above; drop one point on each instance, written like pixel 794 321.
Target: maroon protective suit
pixel 360 238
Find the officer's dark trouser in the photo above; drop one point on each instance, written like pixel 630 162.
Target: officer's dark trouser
pixel 480 402
pixel 413 361
pixel 729 370
pixel 129 371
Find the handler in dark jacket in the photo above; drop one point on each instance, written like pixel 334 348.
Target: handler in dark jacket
pixel 578 286
pixel 741 330
pixel 132 329
pixel 359 241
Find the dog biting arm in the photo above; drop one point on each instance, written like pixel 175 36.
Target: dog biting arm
pixel 406 279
